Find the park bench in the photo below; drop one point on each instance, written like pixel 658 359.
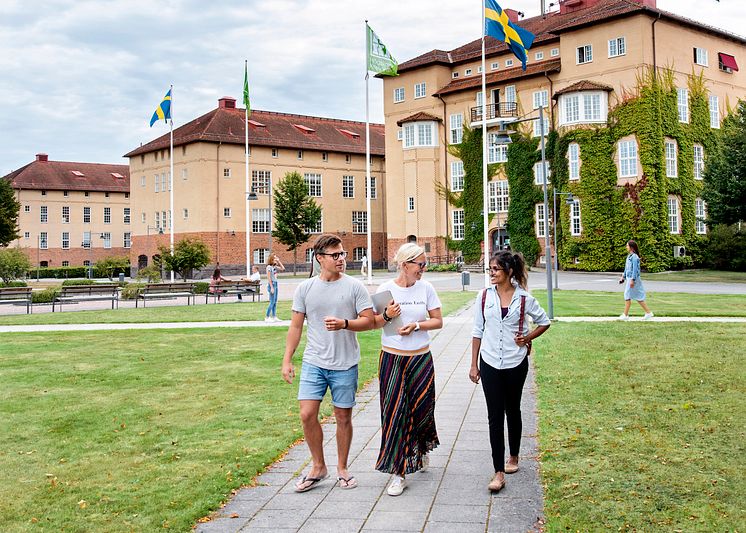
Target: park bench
pixel 154 291
pixel 16 296
pixel 87 293
pixel 242 287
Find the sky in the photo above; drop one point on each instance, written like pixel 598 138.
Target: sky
pixel 80 79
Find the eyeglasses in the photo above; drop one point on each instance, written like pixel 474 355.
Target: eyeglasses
pixel 335 256
pixel 494 269
pixel 421 265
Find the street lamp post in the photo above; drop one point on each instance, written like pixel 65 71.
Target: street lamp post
pixel 250 197
pixel 87 244
pixel 39 242
pixel 569 200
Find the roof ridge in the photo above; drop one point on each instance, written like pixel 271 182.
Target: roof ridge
pixel 281 113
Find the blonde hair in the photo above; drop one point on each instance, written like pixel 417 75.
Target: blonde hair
pixel 408 252
pixel 271 259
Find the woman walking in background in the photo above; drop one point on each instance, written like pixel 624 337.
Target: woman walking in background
pixel 501 343
pixel 633 288
pixel 407 376
pixel 273 265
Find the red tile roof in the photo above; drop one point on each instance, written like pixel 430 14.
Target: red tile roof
pixel 418 116
pixel 515 73
pixel 279 130
pixel 583 85
pixel 547 29
pixel 60 176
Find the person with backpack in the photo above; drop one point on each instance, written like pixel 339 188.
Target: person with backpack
pixel 501 343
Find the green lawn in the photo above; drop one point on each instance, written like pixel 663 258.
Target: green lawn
pixel 189 313
pixel 642 427
pixel 718 276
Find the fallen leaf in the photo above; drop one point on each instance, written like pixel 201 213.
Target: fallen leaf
pixel 234 515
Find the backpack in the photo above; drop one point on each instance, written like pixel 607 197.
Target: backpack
pixel 521 317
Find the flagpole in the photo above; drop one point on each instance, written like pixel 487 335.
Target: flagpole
pixel 248 184
pixel 485 191
pixel 171 180
pixel 368 187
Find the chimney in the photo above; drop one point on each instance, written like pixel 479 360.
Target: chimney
pixel 512 15
pixel 227 102
pixel 570 6
pixel 42 157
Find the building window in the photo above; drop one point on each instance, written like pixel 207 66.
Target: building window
pixel 43 240
pixel 43 193
pixel 538 56
pixel 106 236
pixel 260 181
pixel 508 62
pixel 325 156
pixel 300 155
pixel 348 158
pixel 106 195
pixel 458 224
pixel 167 221
pixel 467 72
pixel 398 95
pixel 126 195
pixel 143 180
pixel 419 134
pixel 86 263
pixel 260 256
pixel 572 108
pixel 319 227
pixel 226 173
pixel 498 196
pixel 457 128
pixel 358 253
pixel 65 263
pixel 227 212
pixel 496 153
pixel 627 159
pixel 673 215
pixel 700 56
pixel 184 173
pixel 26 208
pixel 541 172
pixel 309 255
pixel 537 127
pixel 419 90
pixel 65 194
pixel 65 214
pixel 410 204
pixel 107 215
pixel 157 183
pixel 314 184
pixel 275 153
pixel 359 222
pixel 699 161
pixel 592 107
pixel 541 221
pixel 87 215
pixel 617 47
pixel 65 240
pixel 26 234
pixel 672 169
pixel 714 112
pixel 494 65
pixel 573 161
pixel 576 227
pixel 143 217
pixel 682 101
pixel 260 221
pixel 127 215
pixel 166 179
pixel 348 187
pixel 541 99
pixel 700 213
pixel 374 189
pixel 454 75
pixel 584 54
pixel 425 134
pixel 127 239
pixel 185 213
pixel 510 96
pixel 457 176
pixel 399 134
pixel 43 214
pixel 554 52
pixel 158 220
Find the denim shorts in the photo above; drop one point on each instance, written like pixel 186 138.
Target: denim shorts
pixel 314 382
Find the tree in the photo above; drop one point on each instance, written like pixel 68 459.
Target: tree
pixel 14 264
pixel 9 209
pixel 295 213
pixel 109 265
pixel 725 172
pixel 189 253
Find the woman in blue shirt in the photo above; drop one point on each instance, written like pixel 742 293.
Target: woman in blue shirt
pixel 633 288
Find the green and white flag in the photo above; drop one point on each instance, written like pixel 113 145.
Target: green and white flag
pixel 246 88
pixel 380 60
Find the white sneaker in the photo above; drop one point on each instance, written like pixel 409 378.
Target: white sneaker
pixel 425 463
pixel 648 316
pixel 623 317
pixel 397 486
pixel 267 319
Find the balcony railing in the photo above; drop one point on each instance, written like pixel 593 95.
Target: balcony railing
pixel 499 110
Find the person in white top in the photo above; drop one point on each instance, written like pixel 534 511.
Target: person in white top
pixel 255 275
pixel 501 342
pixel 406 373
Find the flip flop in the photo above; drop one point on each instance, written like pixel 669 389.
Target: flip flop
pixel 313 480
pixel 347 483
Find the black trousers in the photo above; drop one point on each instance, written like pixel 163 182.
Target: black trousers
pixel 503 390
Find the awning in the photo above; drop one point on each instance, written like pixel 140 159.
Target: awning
pixel 728 61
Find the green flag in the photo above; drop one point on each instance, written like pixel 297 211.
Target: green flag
pixel 246 88
pixel 380 60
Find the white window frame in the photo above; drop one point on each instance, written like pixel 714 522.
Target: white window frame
pixel 359 222
pixel 627 158
pixel 714 105
pixel 399 95
pixel 420 134
pixel 374 188
pixel 65 214
pixel 143 181
pixel 44 214
pixel 701 57
pixel 457 176
pixel 309 255
pixel 570 107
pixel 185 173
pixel 508 63
pixel 184 213
pixel 682 104
pixel 540 221
pixel 587 52
pixel 420 90
pixel 538 56
pixel 226 172
pixel 157 182
pixel 319 227
pixel 576 225
pixel 126 215
pixel 260 256
pixel 671 154
pixel 510 94
pixel 700 214
pixel 410 204
pixel 457 128
pixel 499 196
pixel 457 224
pixel 348 186
pixel 541 99
pixel 496 153
pixel 537 127
pixel 106 236
pixel 226 212
pixel 617 47
pixel 467 72
pixel 261 221
pixel 494 65
pixel 260 180
pixel 539 176
pixel 554 52
pixel 698 153
pixel 127 239
pixel 107 215
pixel 314 181
pixel 26 208
pixel 673 215
pixel 275 153
pixel 573 161
pixel 358 253
pixel 43 240
pixel 65 240
pixel 86 215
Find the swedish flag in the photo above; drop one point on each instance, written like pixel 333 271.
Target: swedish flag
pixel 163 111
pixel 497 25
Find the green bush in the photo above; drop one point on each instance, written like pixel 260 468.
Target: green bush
pixel 73 282
pixel 58 273
pixel 151 274
pixel 726 248
pixel 131 291
pixel 443 268
pixel 14 263
pixel 201 287
pixel 46 296
pixel 14 284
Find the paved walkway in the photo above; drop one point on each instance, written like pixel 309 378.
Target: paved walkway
pixel 451 496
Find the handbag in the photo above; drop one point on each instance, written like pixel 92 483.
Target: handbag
pixel 521 317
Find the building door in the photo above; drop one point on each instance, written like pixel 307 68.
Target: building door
pixel 142 261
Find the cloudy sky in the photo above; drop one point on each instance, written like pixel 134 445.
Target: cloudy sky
pixel 79 79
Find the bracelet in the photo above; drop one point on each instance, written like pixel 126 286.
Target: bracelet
pixel 386 317
pixel 347 323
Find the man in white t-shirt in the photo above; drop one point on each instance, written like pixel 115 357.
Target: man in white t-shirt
pixel 334 305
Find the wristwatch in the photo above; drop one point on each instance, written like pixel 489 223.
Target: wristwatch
pixel 417 326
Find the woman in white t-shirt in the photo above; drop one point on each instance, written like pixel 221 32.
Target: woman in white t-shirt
pixel 407 377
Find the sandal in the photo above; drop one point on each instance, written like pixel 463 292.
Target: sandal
pixel 347 483
pixel 314 481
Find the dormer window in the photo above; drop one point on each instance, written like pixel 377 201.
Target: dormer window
pixel 77 173
pixel 420 134
pixel 583 107
pixel 349 133
pixel 304 129
pixel 257 123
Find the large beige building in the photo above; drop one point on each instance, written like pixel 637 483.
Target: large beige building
pixel 210 182
pixel 585 60
pixel 72 214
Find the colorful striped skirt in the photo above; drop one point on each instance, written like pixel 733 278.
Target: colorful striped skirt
pixel 407 412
